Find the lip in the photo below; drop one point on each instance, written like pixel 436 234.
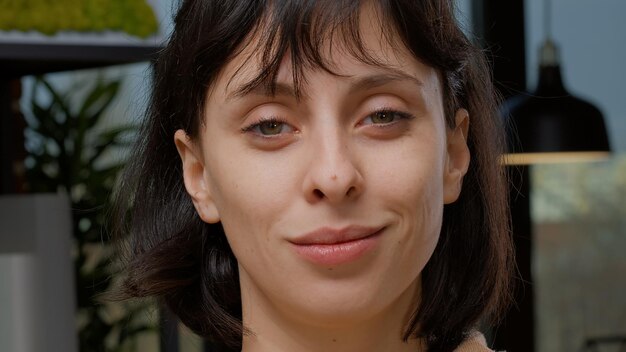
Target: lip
pixel 328 246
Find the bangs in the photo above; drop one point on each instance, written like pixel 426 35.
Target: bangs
pixel 208 35
pixel 308 32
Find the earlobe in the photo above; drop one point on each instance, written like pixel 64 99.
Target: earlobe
pixel 458 157
pixel 194 178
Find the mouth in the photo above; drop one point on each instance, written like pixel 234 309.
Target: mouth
pixel 328 247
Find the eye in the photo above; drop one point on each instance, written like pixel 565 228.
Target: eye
pixel 385 117
pixel 268 128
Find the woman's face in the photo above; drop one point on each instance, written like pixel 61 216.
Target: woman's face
pixel 332 203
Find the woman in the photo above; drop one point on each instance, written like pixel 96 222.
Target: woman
pixel 321 176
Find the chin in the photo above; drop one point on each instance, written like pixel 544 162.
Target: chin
pixel 338 314
pixel 342 306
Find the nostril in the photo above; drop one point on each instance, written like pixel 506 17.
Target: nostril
pixel 319 194
pixel 350 191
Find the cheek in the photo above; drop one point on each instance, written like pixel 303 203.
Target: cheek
pixel 419 202
pixel 251 192
pixel 410 176
pixel 410 184
pixel 419 229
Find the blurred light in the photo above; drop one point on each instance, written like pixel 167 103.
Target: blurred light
pixel 551 125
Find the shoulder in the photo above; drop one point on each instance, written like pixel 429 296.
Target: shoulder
pixel 474 343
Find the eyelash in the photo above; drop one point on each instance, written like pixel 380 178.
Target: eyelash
pixel 401 114
pixel 260 122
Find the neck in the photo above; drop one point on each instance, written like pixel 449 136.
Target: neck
pixel 274 330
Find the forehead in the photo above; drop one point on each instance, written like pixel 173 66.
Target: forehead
pixel 365 44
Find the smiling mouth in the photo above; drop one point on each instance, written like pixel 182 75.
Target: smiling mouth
pixel 329 247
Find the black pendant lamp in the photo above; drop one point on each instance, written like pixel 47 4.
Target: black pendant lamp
pixel 551 125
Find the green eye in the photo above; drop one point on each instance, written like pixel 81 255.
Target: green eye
pixel 270 128
pixel 381 117
pixel 385 117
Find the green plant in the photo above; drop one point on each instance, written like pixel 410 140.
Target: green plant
pixel 68 151
pixel 134 17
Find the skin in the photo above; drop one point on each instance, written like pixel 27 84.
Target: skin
pixel 331 160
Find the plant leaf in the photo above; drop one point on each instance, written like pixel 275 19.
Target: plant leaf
pixel 98 101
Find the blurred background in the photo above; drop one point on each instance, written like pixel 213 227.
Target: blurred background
pixel 74 82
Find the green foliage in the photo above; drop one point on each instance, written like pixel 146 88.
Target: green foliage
pixel 66 152
pixel 134 17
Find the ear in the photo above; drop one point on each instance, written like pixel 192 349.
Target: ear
pixel 457 157
pixel 194 176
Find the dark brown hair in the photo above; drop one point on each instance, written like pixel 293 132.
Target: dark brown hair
pixel 189 265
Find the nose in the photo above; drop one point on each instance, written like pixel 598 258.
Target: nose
pixel 333 174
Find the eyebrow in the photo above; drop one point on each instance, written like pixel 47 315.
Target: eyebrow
pixel 377 80
pixel 363 83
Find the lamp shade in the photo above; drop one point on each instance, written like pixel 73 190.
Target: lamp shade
pixel 552 125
